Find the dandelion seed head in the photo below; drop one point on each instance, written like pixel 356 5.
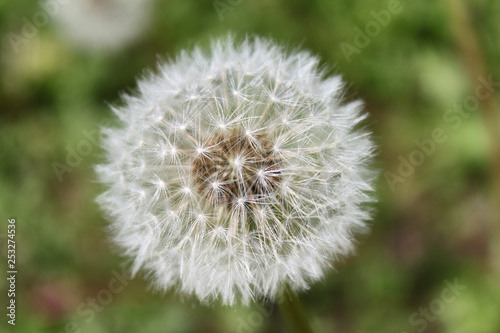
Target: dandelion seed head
pixel 105 24
pixel 260 180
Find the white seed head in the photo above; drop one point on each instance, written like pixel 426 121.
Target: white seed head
pixel 265 184
pixel 103 24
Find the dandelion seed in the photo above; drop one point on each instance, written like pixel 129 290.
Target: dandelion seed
pixel 244 197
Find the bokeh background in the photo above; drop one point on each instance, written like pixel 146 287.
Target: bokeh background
pixel 435 224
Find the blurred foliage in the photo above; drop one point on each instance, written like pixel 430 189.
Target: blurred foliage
pixel 438 224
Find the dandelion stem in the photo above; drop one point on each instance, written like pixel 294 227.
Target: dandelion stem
pixel 470 50
pixel 293 313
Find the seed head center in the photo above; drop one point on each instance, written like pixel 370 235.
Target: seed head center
pixel 235 168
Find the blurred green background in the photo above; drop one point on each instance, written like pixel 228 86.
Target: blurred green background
pixel 434 226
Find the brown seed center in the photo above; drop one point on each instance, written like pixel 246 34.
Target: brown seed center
pixel 235 169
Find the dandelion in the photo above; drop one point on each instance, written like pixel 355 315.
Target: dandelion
pixel 237 172
pixel 103 24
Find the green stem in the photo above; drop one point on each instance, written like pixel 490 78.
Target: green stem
pixel 293 313
pixel 473 59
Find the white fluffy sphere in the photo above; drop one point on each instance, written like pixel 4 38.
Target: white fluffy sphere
pixel 103 24
pixel 237 171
